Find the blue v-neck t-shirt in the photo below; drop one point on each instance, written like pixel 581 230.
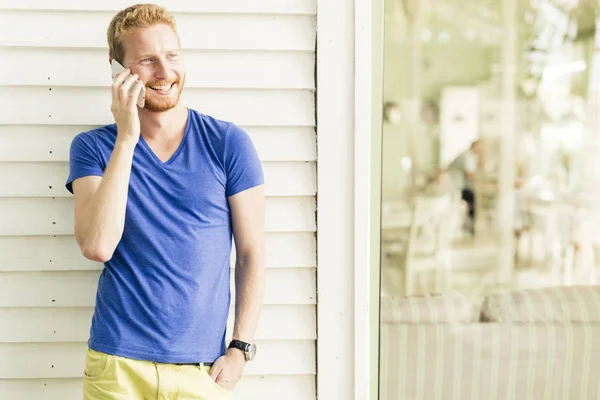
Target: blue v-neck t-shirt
pixel 164 296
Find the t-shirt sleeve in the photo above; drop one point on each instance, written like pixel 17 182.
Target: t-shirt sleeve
pixel 83 159
pixel 470 163
pixel 242 164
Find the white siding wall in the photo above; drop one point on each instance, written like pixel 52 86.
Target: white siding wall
pixel 251 62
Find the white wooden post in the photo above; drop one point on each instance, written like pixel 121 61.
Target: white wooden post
pixel 414 16
pixel 335 200
pixel 363 98
pixel 506 201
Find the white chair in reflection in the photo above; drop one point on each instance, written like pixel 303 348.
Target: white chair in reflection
pixel 568 231
pixel 486 192
pixel 428 249
pixel 580 255
pixel 396 218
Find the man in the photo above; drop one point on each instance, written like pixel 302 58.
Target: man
pixel 462 172
pixel 158 196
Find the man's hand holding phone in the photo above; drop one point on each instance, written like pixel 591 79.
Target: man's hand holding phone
pixel 125 91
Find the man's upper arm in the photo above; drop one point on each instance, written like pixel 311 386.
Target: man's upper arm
pixel 85 172
pixel 244 191
pixel 84 159
pixel 83 190
pixel 242 164
pixel 248 220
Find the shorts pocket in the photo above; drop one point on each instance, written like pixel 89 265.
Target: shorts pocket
pixel 205 369
pixel 96 364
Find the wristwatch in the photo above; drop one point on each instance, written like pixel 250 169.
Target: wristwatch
pixel 248 349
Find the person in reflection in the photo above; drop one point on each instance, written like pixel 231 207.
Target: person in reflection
pixel 159 196
pixel 462 172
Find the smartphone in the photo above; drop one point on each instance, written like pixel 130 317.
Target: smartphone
pixel 117 68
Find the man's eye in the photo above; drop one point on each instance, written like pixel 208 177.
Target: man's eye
pixel 172 55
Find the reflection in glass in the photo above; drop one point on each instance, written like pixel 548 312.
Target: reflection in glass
pixel 491 174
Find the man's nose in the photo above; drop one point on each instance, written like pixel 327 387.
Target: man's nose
pixel 162 70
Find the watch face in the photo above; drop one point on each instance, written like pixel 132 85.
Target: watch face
pixel 251 352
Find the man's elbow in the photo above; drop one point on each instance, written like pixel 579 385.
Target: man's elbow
pixel 251 259
pixel 94 248
pixel 97 253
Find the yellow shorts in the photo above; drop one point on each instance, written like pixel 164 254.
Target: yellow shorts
pixel 108 377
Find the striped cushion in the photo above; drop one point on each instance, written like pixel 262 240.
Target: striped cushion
pixel 555 304
pixel 490 361
pixel 447 308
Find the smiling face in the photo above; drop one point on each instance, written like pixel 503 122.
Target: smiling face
pixel 155 55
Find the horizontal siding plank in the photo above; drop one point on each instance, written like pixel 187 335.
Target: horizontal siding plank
pixel 78 288
pixel 65 360
pixel 274 387
pixel 201 31
pixel 54 216
pixel 61 253
pixel 308 7
pixel 46 179
pixel 71 324
pixel 205 69
pixel 76 105
pixel 52 142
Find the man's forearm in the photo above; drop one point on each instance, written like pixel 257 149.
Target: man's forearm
pixel 249 288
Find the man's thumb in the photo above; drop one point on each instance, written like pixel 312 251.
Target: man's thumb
pixel 215 371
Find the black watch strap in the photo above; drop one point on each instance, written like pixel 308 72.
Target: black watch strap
pixel 248 348
pixel 238 344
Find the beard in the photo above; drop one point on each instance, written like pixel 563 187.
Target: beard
pixel 161 103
